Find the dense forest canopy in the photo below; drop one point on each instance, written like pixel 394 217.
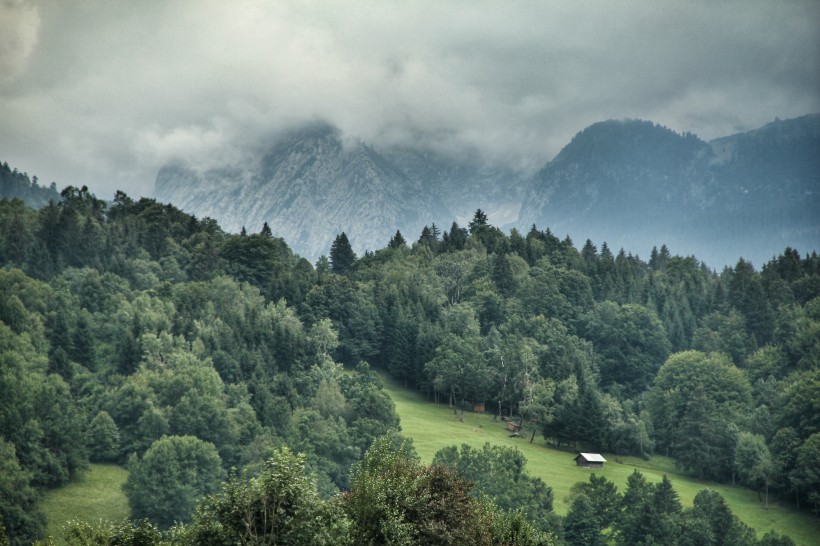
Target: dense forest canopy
pixel 134 333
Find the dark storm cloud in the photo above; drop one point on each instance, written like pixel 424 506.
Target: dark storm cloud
pixel 103 93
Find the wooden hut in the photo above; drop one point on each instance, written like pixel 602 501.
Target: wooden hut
pixel 590 460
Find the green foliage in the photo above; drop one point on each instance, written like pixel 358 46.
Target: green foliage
pixel 280 506
pixel 806 473
pixel 395 500
pixel 694 400
pixel 630 343
pixel 124 533
pixel 498 472
pixel 20 516
pixel 103 438
pixel 165 484
pixel 17 185
pixel 170 326
pixel 603 497
pixel 582 525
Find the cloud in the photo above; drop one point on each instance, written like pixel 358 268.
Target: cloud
pixel 19 27
pixel 103 93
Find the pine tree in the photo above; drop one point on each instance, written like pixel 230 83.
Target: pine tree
pixel 435 232
pixel 478 222
pixel 342 256
pixel 397 241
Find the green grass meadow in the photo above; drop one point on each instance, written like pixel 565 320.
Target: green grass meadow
pixel 434 426
pixel 96 494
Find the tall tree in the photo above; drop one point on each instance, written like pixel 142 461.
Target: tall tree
pixel 397 240
pixel 342 256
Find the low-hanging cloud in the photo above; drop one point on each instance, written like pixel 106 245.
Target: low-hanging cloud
pixel 103 93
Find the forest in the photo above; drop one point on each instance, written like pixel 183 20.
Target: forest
pixel 235 380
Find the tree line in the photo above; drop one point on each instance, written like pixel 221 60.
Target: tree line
pixel 135 333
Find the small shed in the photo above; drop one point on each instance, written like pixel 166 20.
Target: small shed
pixel 590 460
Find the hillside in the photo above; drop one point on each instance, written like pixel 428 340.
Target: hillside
pixel 14 184
pixel 433 427
pixel 134 333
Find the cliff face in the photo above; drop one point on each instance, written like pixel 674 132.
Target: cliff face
pixel 312 185
pixel 308 187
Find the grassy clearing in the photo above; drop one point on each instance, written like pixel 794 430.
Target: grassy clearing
pixel 94 495
pixel 434 426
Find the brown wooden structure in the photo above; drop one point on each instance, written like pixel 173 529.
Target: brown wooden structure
pixel 590 460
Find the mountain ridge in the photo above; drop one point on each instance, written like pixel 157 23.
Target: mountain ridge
pixel 632 183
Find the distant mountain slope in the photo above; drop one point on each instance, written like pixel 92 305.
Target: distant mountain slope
pixel 14 184
pixel 312 185
pixel 636 185
pixel 308 187
pixel 631 183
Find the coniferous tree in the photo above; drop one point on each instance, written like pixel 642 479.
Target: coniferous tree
pixel 582 526
pixel 426 237
pixel 397 240
pixel 435 232
pixel 479 221
pixel 342 256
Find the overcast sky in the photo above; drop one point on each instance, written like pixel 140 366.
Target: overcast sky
pixel 103 93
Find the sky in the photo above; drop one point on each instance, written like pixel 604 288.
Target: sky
pixel 103 93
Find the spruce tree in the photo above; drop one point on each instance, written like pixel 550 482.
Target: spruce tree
pixel 341 254
pixel 397 241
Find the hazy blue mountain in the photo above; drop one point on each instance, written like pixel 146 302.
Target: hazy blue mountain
pixel 635 185
pixel 631 183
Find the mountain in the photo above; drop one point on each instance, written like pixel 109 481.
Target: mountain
pixel 635 185
pixel 309 187
pixel 631 183
pixel 313 184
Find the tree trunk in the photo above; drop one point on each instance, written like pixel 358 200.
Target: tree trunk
pixel 533 434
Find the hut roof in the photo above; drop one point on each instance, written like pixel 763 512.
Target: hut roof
pixel 591 457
